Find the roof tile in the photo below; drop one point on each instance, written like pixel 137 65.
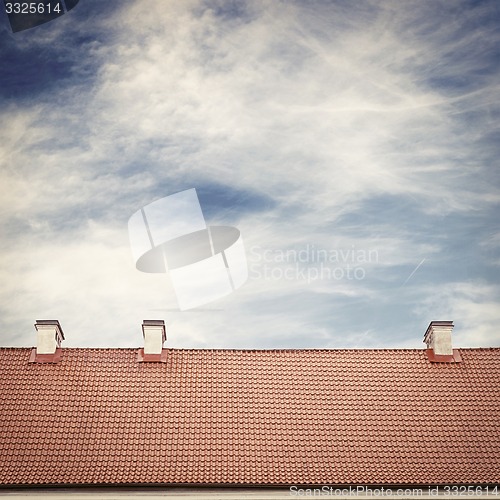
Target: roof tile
pixel 250 417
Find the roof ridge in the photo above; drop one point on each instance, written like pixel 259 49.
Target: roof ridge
pixel 283 349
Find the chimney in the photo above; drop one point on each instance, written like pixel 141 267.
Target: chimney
pixel 155 334
pixel 438 340
pixel 438 337
pixel 49 336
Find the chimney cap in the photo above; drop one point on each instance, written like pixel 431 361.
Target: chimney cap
pixel 153 322
pixel 50 322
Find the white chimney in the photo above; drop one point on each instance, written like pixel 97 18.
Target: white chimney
pixel 49 336
pixel 438 337
pixel 155 334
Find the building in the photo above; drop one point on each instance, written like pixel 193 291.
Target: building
pixel 193 418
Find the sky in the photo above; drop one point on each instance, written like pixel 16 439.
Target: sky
pixel 354 145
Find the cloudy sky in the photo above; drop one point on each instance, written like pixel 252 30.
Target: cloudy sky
pixel 355 145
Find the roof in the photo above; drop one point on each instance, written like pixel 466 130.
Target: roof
pixel 241 417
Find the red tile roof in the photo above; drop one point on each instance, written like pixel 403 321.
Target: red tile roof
pixel 250 418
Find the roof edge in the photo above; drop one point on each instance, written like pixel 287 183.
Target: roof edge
pixel 99 486
pixel 285 349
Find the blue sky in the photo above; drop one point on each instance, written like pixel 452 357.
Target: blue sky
pixel 366 131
